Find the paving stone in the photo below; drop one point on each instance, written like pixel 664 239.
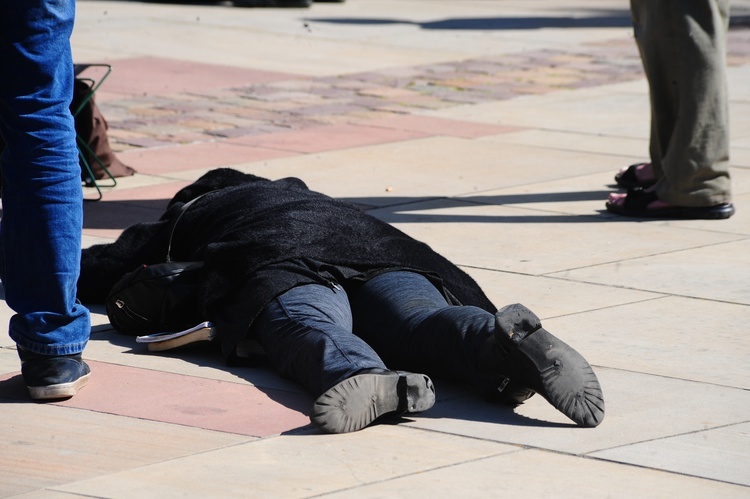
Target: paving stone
pixel 75 444
pixel 719 454
pixel 297 465
pixel 182 400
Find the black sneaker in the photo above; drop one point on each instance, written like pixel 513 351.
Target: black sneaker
pixel 358 401
pixel 545 364
pixel 50 377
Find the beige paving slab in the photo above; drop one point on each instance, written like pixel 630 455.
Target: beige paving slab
pixel 46 494
pixel 600 110
pixel 632 149
pixel 639 408
pixel 552 297
pixel 737 78
pixel 47 446
pixel 739 125
pixel 742 142
pixel 740 153
pixel 691 339
pixel 716 270
pixel 720 454
pixel 534 473
pixel 9 359
pixel 301 465
pixel 5 314
pixel 536 242
pixel 433 167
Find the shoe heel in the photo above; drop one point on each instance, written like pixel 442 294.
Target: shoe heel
pixel 358 401
pixel 514 323
pixel 417 391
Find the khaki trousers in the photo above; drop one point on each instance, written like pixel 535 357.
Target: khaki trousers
pixel 683 49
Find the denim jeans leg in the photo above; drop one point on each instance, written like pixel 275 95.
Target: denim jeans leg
pixel 409 323
pixel 307 335
pixel 40 234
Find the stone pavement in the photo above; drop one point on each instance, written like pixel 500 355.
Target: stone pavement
pixel 490 129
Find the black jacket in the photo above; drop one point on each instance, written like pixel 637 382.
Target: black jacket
pixel 259 238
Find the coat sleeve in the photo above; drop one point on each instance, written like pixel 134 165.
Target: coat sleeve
pixel 103 265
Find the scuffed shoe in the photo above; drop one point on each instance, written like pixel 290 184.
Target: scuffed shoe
pixel 548 366
pixel 358 401
pixel 53 377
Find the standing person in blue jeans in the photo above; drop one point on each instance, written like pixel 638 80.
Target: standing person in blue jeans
pixel 42 218
pixel 683 48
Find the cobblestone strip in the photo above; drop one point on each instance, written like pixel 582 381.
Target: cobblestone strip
pixel 150 121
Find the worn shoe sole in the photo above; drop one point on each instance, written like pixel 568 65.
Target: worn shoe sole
pixel 551 368
pixel 358 401
pixel 58 391
pixel 567 381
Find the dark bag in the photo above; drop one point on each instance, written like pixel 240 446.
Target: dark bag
pixel 162 297
pixel 156 298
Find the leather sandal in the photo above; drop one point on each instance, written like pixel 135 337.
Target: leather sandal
pixel 637 201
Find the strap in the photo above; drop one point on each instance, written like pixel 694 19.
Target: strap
pixel 183 209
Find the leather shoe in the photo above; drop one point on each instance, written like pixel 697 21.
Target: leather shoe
pixel 358 401
pixel 545 364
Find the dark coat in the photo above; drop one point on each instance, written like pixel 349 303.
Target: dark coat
pixel 259 238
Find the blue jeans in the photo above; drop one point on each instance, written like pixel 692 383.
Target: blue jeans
pixel 319 336
pixel 40 234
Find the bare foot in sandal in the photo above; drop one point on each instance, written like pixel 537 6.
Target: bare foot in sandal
pixel 637 175
pixel 618 199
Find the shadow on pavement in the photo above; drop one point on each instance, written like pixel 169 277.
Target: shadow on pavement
pixel 122 214
pixel 614 19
